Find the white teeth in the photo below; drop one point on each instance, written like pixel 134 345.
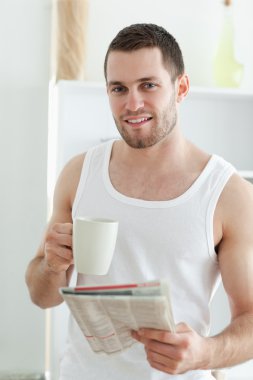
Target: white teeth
pixel 137 120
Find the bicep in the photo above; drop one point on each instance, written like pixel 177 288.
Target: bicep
pixel 236 248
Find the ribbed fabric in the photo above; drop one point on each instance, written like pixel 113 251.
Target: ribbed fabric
pixel 157 239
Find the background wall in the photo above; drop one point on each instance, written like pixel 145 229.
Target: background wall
pixel 24 75
pixel 196 24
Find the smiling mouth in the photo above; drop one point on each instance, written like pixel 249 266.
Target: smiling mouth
pixel 138 121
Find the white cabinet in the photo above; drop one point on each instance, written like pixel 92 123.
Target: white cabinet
pixel 221 121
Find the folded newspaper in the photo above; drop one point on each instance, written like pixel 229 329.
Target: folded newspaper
pixel 107 314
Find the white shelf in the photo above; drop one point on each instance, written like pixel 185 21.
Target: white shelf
pixel 216 92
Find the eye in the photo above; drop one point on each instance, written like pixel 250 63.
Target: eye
pixel 149 85
pixel 118 89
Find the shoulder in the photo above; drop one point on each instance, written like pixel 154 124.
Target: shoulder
pixel 236 205
pixel 68 180
pixel 238 191
pixel 73 167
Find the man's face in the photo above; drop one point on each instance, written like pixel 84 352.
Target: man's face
pixel 141 95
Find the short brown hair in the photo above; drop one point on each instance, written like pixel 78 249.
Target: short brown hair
pixel 138 36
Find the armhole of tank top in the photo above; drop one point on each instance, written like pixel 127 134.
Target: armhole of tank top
pixel 221 183
pixel 82 180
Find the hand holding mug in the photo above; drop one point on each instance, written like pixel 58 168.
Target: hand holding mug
pixel 58 247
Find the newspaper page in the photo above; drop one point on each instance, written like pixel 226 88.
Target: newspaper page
pixel 107 314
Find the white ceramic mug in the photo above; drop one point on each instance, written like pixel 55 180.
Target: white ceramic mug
pixel 94 242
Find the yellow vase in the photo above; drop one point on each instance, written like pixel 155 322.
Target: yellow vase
pixel 227 70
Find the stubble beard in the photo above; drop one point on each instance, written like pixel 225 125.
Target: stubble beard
pixel 164 123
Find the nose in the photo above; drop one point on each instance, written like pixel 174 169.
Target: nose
pixel 134 100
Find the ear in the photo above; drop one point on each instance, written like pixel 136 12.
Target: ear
pixel 182 87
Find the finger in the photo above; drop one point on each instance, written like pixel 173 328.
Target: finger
pixel 164 363
pixel 172 352
pixel 58 257
pixel 58 267
pixel 65 240
pixel 154 346
pixel 160 336
pixel 183 327
pixel 53 252
pixel 63 228
pixel 136 336
pixel 162 356
pixel 59 238
pixel 65 253
pixel 166 336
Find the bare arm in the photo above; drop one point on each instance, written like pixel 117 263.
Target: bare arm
pixel 186 350
pixel 52 266
pixel 234 345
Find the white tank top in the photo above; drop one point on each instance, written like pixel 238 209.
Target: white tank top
pixel 157 239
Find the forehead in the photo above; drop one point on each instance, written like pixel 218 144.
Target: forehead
pixel 130 66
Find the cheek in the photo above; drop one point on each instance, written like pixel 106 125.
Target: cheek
pixel 116 106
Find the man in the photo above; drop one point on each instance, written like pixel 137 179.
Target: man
pixel 183 215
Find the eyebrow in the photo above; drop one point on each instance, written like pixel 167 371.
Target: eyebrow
pixel 141 80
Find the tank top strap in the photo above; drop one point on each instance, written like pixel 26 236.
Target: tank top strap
pixel 99 152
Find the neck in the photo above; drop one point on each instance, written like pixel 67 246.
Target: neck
pixel 161 172
pixel 171 150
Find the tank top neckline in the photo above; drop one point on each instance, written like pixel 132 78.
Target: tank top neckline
pixel 150 203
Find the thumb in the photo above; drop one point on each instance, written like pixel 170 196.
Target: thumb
pixel 183 327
